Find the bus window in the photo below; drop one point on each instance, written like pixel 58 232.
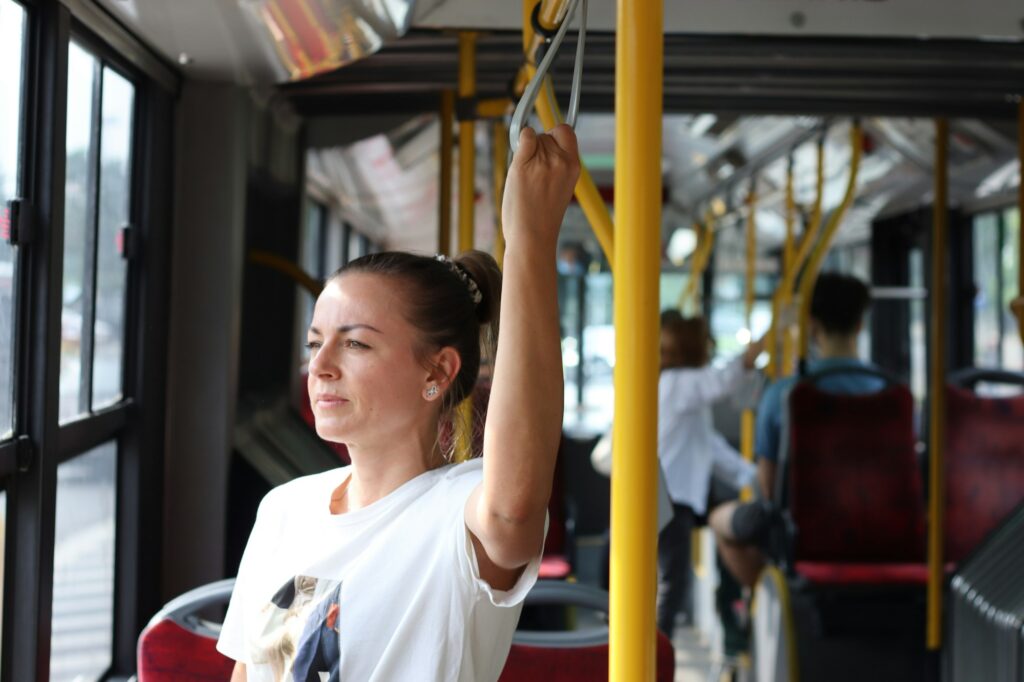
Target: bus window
pixel 987 340
pixel 112 268
pixel 82 69
pixel 83 566
pixel 996 239
pixel 97 205
pixel 12 32
pixel 1013 350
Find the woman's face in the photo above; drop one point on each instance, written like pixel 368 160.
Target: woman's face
pixel 366 383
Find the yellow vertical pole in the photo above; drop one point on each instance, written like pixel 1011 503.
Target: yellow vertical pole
pixel 467 144
pixel 499 162
pixel 747 416
pixel 638 110
pixel 789 264
pixel 937 419
pixel 1018 303
pixel 778 333
pixel 688 297
pixel 444 191
pixel 467 198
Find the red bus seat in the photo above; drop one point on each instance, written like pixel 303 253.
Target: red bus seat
pixel 824 573
pixel 854 487
pixel 574 655
pixel 582 664
pixel 855 490
pixel 984 466
pixel 178 645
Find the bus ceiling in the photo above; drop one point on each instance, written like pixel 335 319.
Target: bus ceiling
pixel 276 41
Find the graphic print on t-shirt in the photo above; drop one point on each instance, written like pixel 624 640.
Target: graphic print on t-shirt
pixel 299 635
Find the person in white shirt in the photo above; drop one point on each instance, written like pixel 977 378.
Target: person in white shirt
pixel 689 449
pixel 401 566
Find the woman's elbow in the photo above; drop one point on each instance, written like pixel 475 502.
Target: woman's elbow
pixel 513 541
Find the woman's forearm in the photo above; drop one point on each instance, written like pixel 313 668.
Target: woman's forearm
pixel 506 513
pixel 525 415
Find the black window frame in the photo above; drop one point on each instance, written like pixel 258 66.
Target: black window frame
pixel 28 462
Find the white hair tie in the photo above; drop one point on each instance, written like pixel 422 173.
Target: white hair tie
pixel 464 276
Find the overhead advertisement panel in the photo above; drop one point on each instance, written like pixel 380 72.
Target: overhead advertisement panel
pixel 309 37
pixel 996 19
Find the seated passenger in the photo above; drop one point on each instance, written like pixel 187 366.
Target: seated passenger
pixel 836 319
pixel 404 567
pixel 689 448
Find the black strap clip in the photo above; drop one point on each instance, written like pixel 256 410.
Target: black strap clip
pixel 16 225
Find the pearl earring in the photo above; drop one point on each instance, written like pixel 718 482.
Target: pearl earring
pixel 432 391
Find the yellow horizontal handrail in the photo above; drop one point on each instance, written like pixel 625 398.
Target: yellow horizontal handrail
pixel 288 269
pixel 495 107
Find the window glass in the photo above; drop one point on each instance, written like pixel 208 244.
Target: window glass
pixel 1013 349
pixel 83 566
pixel 114 207
pixel 311 261
pixel 594 414
pixel 3 562
pixel 987 295
pixel 12 33
pixel 354 245
pixel 729 328
pixel 918 331
pixel 78 194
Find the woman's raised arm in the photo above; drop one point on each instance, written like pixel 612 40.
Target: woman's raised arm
pixel 524 423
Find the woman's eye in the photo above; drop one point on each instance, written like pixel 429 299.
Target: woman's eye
pixel 352 343
pixel 312 345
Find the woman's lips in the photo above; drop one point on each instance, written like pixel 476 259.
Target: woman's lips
pixel 327 400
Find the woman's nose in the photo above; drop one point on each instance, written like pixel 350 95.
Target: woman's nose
pixel 322 364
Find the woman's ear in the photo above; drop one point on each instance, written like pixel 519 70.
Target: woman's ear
pixel 444 367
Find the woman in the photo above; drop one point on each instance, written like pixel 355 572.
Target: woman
pixel 419 567
pixel 689 449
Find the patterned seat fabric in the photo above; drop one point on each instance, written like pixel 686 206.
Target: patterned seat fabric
pixel 170 653
pixel 855 490
pixel 984 466
pixel 579 664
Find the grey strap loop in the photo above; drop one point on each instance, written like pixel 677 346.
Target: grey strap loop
pixel 539 79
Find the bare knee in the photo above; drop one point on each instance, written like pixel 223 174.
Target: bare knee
pixel 720 520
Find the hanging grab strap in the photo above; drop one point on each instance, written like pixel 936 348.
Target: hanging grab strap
pixel 539 79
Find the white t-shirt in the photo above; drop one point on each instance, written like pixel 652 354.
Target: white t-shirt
pixel 689 448
pixel 387 593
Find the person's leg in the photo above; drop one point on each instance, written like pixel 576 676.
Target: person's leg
pixel 736 526
pixel 674 569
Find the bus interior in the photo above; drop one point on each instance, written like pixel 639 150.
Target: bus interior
pixel 179 178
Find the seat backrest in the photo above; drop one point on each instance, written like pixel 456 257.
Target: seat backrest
pixel 178 645
pixel 568 656
pixel 169 652
pixel 854 487
pixel 578 664
pixel 984 466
